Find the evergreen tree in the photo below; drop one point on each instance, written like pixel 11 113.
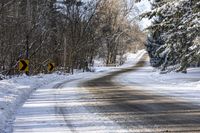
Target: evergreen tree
pixel 180 30
pixel 154 40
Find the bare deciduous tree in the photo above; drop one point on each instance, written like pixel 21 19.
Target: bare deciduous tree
pixel 70 33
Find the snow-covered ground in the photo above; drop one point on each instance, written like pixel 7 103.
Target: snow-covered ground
pixel 15 91
pixel 131 58
pixel 174 85
pixel 60 108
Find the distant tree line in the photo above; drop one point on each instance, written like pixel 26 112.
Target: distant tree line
pixel 70 33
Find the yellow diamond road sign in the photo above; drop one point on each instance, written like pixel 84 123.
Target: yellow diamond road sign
pixel 24 65
pixel 51 67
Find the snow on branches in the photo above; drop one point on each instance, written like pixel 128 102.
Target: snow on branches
pixel 179 28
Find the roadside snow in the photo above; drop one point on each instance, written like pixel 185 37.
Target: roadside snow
pixel 131 59
pixel 175 85
pixel 59 107
pixel 15 91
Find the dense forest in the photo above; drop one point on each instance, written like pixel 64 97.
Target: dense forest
pixel 70 33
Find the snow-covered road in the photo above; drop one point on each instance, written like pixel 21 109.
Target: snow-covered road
pixel 122 99
pixel 174 85
pixel 111 103
pixel 62 108
pixel 15 91
pixel 138 109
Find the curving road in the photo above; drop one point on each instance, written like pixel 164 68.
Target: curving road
pixel 102 105
pixel 141 111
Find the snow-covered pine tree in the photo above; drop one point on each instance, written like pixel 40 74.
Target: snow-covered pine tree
pixel 154 40
pixel 180 28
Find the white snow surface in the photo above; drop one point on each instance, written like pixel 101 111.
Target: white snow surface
pixel 15 91
pixel 54 109
pixel 131 58
pixel 179 86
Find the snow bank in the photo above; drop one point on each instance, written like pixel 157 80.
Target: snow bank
pixel 184 86
pixel 174 85
pixel 13 92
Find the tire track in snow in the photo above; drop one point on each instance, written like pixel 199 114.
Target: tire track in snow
pixel 41 113
pixel 60 110
pixel 142 111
